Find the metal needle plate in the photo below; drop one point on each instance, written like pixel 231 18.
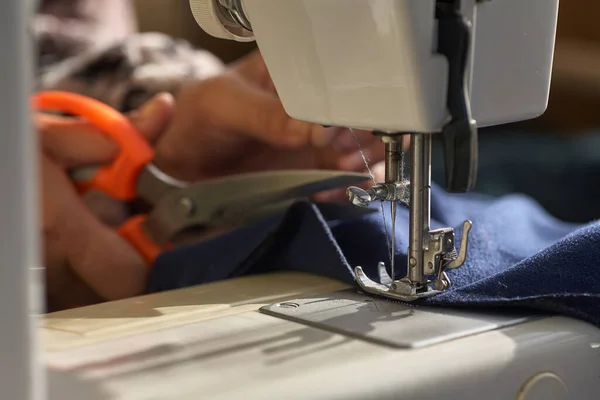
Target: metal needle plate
pixel 387 323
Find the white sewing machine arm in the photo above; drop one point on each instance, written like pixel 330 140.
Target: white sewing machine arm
pixel 375 64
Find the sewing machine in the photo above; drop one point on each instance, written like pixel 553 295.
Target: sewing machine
pixel 295 336
pixel 403 67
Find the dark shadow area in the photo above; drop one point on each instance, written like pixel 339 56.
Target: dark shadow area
pixel 278 348
pixel 559 171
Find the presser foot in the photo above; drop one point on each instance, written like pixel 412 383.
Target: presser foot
pixel 402 290
pixel 440 255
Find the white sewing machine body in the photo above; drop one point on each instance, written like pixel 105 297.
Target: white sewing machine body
pixel 210 342
pixel 374 64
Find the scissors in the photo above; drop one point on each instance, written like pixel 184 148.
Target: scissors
pixel 175 205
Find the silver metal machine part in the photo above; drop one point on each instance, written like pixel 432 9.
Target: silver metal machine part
pixel 230 201
pixel 234 10
pixel 352 314
pixel 430 252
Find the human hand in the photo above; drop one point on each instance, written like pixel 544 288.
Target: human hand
pixel 235 123
pixel 86 260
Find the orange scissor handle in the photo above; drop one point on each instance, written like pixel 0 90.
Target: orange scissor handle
pixel 118 179
pixel 132 231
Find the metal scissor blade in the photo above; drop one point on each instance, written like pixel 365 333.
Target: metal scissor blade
pixel 236 199
pixel 282 184
pixel 268 190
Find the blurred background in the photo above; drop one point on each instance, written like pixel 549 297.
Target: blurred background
pixel 174 18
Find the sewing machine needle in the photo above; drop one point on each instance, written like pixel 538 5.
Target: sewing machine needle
pixel 393 175
pixel 393 240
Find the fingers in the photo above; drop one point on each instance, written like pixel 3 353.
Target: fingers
pixel 152 118
pixel 96 254
pixel 359 149
pixel 252 68
pixel 378 171
pixel 72 142
pixel 64 289
pixel 324 137
pixel 86 261
pixel 356 160
pixel 75 143
pixel 340 196
pixel 256 113
pixel 350 151
pixel 110 211
pixel 345 141
pixel 331 196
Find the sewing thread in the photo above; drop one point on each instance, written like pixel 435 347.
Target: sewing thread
pixel 366 161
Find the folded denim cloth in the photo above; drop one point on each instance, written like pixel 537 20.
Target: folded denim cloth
pixel 518 254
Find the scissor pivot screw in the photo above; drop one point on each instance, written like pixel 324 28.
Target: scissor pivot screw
pixel 188 205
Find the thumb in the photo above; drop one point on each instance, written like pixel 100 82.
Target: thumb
pixel 152 118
